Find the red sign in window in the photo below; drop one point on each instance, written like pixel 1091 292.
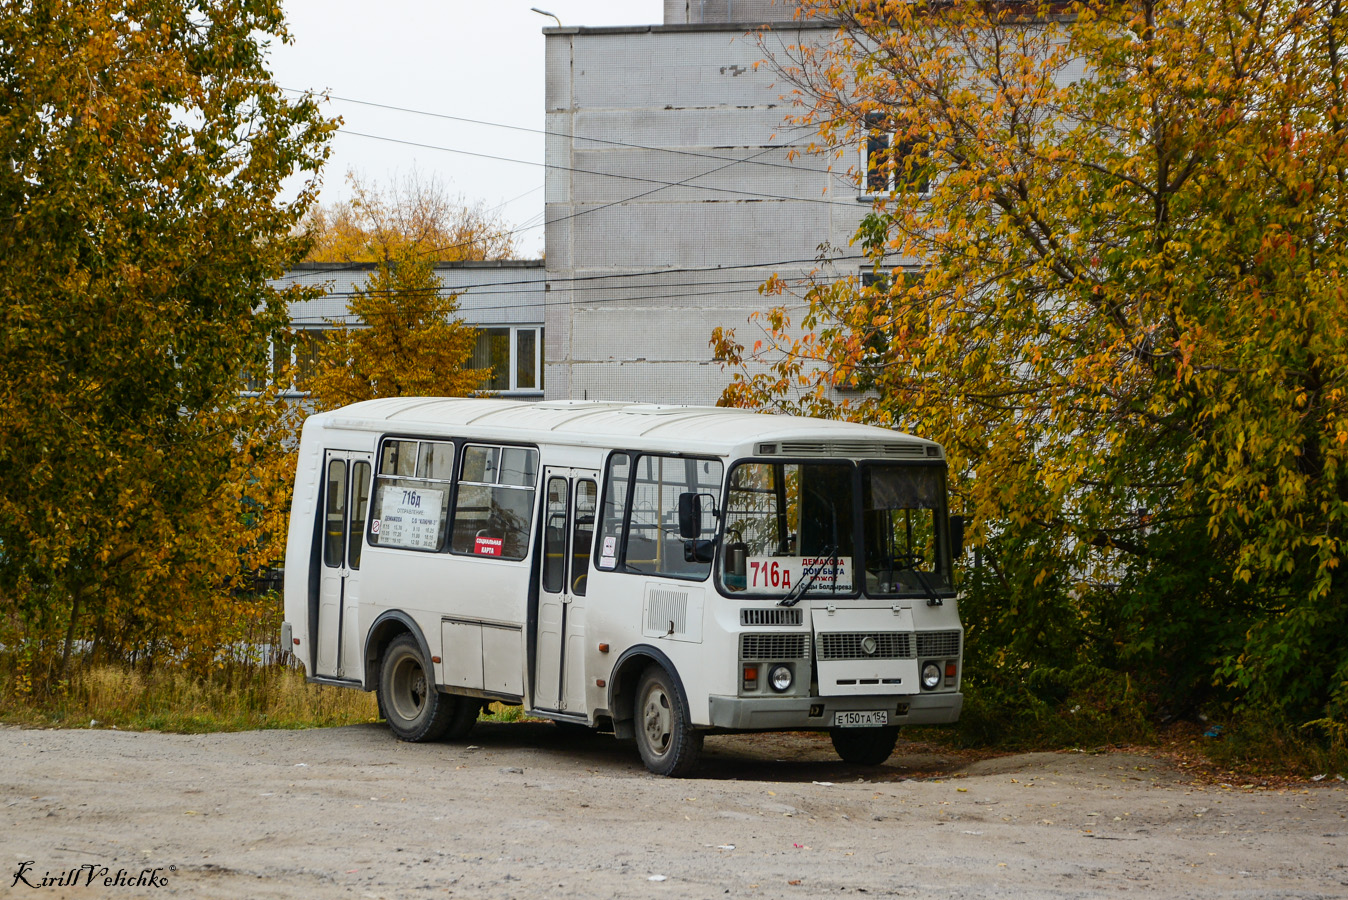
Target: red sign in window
pixel 488 546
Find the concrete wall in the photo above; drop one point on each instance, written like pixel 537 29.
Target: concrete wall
pixel 669 154
pixel 698 12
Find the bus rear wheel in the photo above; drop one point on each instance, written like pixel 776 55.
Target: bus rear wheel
pixel 414 709
pixel 864 746
pixel 668 743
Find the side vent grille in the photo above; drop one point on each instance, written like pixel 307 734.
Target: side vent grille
pixel 773 615
pixel 854 645
pixel 667 612
pixel 771 647
pixel 938 643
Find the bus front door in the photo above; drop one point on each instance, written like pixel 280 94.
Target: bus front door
pixel 346 495
pixel 570 502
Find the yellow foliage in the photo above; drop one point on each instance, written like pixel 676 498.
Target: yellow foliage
pixel 1129 326
pixel 413 212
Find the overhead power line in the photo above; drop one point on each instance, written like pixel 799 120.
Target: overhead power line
pixel 647 273
pixel 601 174
pixel 575 137
pixel 605 301
pixel 594 209
pixel 662 185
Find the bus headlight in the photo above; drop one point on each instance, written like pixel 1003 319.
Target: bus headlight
pixel 931 676
pixel 780 678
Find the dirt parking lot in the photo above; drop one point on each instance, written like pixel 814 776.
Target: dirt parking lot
pixel 527 810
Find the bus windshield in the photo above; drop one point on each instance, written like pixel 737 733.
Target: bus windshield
pixel 788 523
pixel 903 508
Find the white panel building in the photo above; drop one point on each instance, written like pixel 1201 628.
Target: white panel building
pixel 670 197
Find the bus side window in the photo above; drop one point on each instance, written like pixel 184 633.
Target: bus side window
pixel 334 514
pixel 495 501
pixel 360 501
pixel 650 543
pixel 615 508
pixel 411 496
pixel 582 535
pixel 554 536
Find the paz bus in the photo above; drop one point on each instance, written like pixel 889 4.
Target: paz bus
pixel 660 572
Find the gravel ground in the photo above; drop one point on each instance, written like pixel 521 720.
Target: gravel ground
pixel 528 810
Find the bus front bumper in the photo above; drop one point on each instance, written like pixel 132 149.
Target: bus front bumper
pixel 794 713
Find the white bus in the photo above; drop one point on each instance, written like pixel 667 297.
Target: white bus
pixel 660 572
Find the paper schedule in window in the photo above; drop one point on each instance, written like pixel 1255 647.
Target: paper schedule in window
pixel 410 517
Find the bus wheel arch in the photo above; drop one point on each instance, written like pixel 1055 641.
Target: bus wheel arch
pixel 649 703
pixel 383 632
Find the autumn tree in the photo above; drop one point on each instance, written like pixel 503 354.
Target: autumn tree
pixel 406 341
pixel 141 215
pixel 412 210
pixel 1111 249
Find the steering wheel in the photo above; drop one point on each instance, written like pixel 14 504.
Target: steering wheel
pixel 901 561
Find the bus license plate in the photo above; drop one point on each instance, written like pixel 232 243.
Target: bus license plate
pixel 861 719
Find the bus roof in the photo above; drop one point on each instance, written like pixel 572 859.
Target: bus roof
pixel 596 423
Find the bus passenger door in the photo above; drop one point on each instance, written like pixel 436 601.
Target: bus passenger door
pixel 346 496
pixel 569 505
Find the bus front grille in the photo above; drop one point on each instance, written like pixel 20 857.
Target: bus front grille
pixel 771 647
pixel 865 645
pixel 773 615
pixel 938 643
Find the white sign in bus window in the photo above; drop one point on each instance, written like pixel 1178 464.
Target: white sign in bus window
pixel 410 517
pixel 779 574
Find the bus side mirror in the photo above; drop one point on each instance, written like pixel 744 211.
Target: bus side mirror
pixel 698 551
pixel 956 537
pixel 690 516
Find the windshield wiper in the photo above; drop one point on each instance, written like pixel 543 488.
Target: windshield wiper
pixel 933 599
pixel 797 592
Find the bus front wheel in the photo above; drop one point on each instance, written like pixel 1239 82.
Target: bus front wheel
pixel 864 746
pixel 414 709
pixel 668 743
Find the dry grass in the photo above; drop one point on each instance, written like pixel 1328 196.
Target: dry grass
pixel 241 698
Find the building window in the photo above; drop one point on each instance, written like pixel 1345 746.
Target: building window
pixel 876 347
pixel 893 165
pixel 515 355
pixel 292 360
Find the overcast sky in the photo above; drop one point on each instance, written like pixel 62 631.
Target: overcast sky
pixel 480 60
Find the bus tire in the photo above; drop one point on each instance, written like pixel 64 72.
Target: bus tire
pixel 864 746
pixel 414 709
pixel 668 744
